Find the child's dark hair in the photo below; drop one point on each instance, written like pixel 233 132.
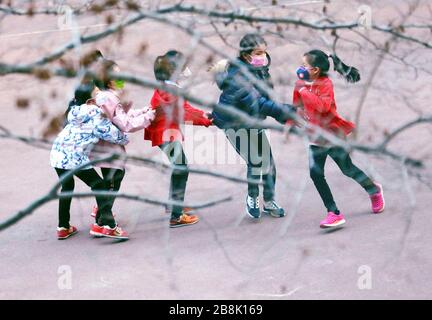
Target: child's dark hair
pixel 165 66
pixel 320 59
pixel 249 42
pixel 81 95
pixel 102 80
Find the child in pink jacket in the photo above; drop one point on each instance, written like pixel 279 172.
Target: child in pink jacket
pixel 107 98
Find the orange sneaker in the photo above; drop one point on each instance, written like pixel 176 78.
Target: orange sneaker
pixel 64 233
pixel 183 220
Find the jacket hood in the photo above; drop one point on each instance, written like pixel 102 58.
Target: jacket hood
pixel 161 98
pixel 221 75
pixel 228 72
pixel 83 113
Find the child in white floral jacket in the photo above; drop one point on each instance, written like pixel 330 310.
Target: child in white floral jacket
pixel 86 126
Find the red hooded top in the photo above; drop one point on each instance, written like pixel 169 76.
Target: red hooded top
pixel 166 125
pixel 319 106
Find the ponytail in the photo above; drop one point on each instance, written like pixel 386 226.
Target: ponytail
pixel 320 59
pixel 351 74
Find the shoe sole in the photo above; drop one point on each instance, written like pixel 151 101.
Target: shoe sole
pixel 253 217
pixel 183 224
pixel 274 216
pixel 327 226
pixel 68 236
pixel 96 234
pixel 114 237
pixel 382 209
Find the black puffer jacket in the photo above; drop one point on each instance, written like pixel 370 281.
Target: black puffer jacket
pixel 239 92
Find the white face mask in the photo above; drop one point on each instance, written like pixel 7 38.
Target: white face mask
pixel 186 73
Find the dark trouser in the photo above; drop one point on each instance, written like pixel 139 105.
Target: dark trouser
pixel 317 159
pixel 253 146
pixel 179 176
pixel 96 183
pixel 113 178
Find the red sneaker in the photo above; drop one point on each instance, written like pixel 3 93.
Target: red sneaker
pixel 116 233
pixel 96 230
pixel 64 233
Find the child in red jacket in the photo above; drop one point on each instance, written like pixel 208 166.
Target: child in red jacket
pixel 164 131
pixel 314 97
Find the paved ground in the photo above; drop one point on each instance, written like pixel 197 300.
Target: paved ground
pixel 226 255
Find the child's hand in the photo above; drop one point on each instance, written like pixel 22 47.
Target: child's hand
pixel 299 85
pixel 151 113
pixel 209 116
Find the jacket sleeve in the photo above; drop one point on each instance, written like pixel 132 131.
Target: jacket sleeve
pixel 108 103
pixel 321 103
pixel 279 111
pixel 296 100
pixel 256 103
pixel 105 130
pixel 195 115
pixel 134 120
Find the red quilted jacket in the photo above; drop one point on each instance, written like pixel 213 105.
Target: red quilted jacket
pixel 171 111
pixel 319 106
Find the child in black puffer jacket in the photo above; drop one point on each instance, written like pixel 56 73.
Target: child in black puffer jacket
pixel 239 92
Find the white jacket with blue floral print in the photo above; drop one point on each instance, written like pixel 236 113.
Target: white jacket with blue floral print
pixel 85 127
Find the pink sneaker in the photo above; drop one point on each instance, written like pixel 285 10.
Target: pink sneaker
pixel 332 220
pixel 377 200
pixel 95 211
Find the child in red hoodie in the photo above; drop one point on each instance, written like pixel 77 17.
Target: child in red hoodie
pixel 314 97
pixel 164 131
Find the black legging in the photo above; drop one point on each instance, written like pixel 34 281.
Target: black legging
pixel 253 146
pixel 113 177
pixel 317 159
pixel 91 178
pixel 179 177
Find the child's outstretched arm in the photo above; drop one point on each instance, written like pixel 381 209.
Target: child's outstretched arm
pixel 281 112
pixel 196 116
pixel 105 130
pixel 134 120
pixel 259 104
